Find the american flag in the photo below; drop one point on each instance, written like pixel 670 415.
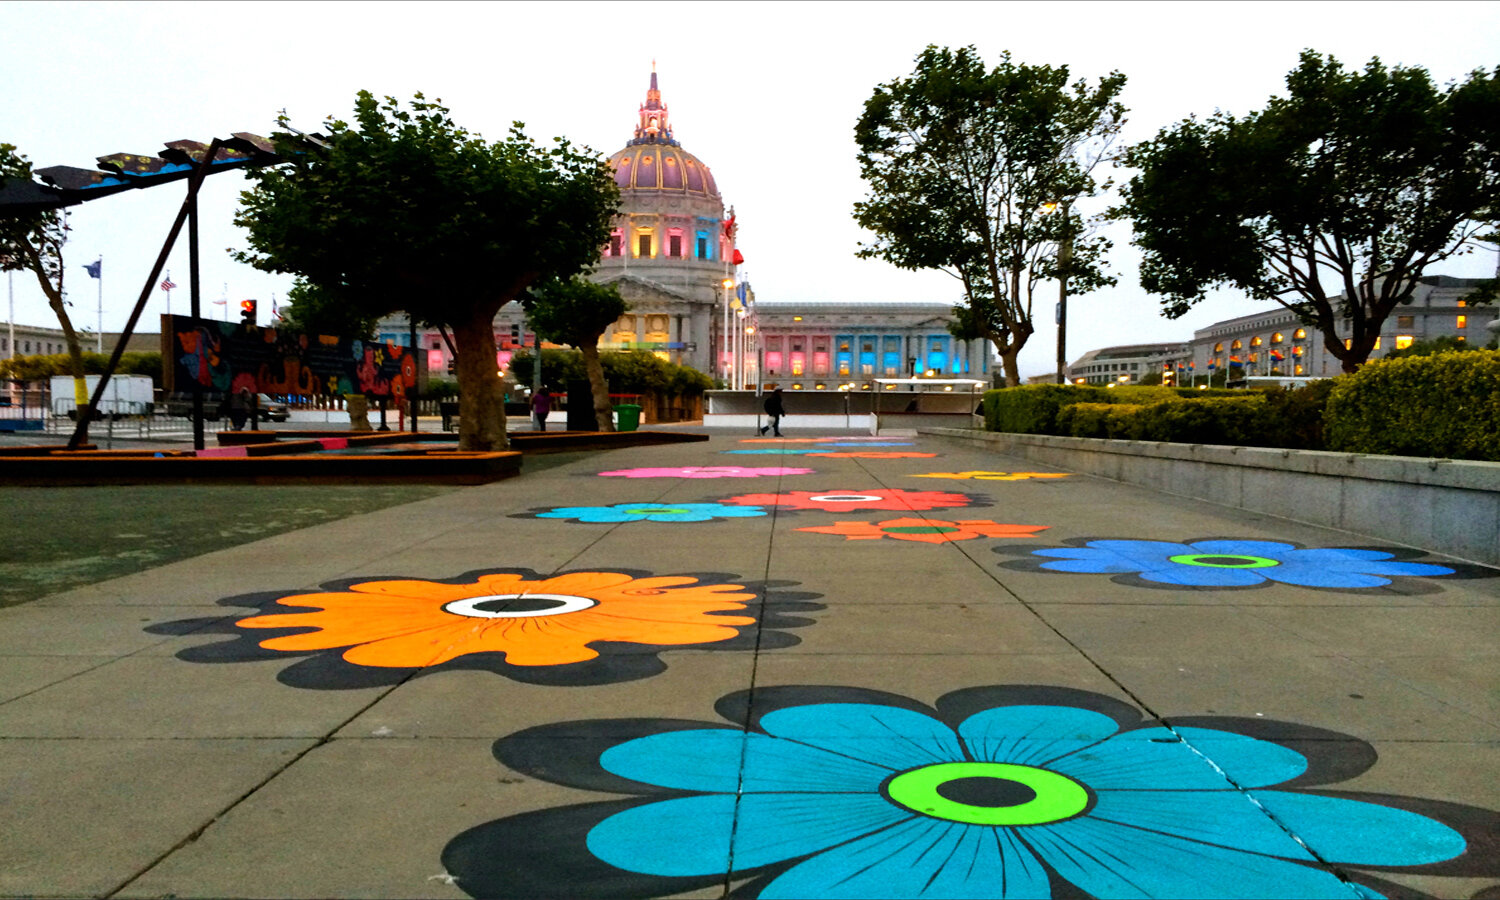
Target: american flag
pixel 166 283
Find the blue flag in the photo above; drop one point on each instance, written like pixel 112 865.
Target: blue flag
pixel 95 268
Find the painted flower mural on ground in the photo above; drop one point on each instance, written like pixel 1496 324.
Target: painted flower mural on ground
pixel 1236 563
pixel 533 622
pixel 1042 791
pixel 845 501
pixel 707 472
pixel 772 451
pixel 653 512
pixel 927 531
pixel 992 476
pixel 874 454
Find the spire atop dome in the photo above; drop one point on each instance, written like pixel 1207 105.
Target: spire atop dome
pixel 653 127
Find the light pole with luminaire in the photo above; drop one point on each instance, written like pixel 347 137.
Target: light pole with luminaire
pixel 1064 259
pixel 726 361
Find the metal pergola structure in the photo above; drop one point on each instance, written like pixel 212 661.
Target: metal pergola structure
pixel 65 186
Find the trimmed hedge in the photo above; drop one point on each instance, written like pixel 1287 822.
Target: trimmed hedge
pixel 1444 406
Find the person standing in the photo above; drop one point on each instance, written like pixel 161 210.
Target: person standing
pixel 541 404
pixel 239 408
pixel 775 410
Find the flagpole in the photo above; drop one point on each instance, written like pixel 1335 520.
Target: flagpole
pixel 99 336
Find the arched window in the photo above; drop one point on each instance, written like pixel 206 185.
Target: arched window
pixel 1236 345
pixel 1255 341
pixel 1219 347
pixel 1277 338
pixel 1300 334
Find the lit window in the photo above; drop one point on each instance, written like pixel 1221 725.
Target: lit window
pixel 1377 343
pixel 1403 341
pixel 1348 344
pixel 1276 338
pixel 1297 370
pixel 1296 351
pixel 1255 341
pixel 1463 322
pixel 1219 347
pixel 796 318
pixel 1462 304
pixel 643 246
pixel 1236 345
pixel 616 244
pixel 674 246
pixel 1299 334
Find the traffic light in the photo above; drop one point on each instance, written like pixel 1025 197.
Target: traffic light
pixel 247 312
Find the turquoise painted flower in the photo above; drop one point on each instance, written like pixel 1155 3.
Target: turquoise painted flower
pixel 867 800
pixel 1237 563
pixel 653 512
pixel 773 451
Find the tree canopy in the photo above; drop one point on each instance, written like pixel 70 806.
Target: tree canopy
pixel 1331 201
pixel 312 310
pixel 405 210
pixel 973 171
pixel 577 311
pixel 32 242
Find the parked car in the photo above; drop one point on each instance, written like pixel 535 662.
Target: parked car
pixel 180 403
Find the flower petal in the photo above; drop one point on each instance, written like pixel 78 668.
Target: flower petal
pixel 1158 759
pixel 884 735
pixel 729 761
pixel 1268 549
pixel 921 857
pixel 1031 735
pixel 1226 818
pixel 775 827
pixel 682 836
pixel 1107 859
pixel 1363 834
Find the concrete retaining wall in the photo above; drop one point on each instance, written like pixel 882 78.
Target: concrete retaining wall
pixel 1440 505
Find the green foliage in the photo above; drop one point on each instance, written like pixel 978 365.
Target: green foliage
pixel 1358 179
pixel 41 367
pixel 1033 408
pixel 628 371
pixel 440 389
pixel 962 162
pixel 1445 406
pixel 573 310
pixel 1443 343
pixel 313 310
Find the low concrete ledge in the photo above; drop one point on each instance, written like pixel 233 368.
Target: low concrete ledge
pixel 1440 505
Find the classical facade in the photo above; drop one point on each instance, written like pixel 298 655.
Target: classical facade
pixel 1128 363
pixel 816 345
pixel 672 250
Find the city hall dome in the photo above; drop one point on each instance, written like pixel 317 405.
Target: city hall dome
pixel 654 161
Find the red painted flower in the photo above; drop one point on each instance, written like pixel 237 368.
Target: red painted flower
pixel 846 501
pixel 927 531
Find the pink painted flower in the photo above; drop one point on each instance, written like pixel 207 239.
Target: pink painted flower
pixel 708 472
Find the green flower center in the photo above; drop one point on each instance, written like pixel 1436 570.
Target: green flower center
pixel 655 510
pixel 1223 560
pixel 919 529
pixel 986 793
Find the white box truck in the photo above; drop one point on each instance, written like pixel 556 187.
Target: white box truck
pixel 125 395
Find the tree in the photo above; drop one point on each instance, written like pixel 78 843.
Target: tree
pixel 1355 181
pixel 964 165
pixel 33 242
pixel 313 310
pixel 574 311
pixel 408 211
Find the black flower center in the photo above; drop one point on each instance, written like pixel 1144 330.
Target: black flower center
pixel 984 790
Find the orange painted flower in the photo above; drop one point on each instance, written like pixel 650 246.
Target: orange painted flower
pixel 545 622
pixel 928 531
pixel 993 476
pixel 876 454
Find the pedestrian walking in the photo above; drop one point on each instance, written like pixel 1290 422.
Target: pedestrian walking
pixel 239 408
pixel 541 404
pixel 775 410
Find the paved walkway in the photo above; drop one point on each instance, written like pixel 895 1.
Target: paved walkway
pixel 852 678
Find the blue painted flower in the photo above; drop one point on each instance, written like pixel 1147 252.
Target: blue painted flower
pixel 865 800
pixel 867 444
pixel 774 451
pixel 653 512
pixel 1236 563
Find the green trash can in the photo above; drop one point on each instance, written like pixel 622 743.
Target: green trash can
pixel 628 417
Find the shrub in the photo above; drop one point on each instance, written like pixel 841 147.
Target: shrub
pixel 1033 408
pixel 1446 405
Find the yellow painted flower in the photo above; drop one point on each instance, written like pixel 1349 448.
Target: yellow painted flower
pixel 993 476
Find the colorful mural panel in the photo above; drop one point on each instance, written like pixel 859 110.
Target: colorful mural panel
pixel 847 501
pixel 992 476
pixel 1227 563
pixel 927 531
pixel 218 355
pixel 585 627
pixel 707 472
pixel 652 512
pixel 1014 791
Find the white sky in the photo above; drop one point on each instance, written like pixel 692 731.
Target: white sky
pixel 766 94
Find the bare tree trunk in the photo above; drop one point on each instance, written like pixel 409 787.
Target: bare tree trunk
pixel 481 395
pixel 603 410
pixel 70 336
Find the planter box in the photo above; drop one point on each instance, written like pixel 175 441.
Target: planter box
pixel 1442 506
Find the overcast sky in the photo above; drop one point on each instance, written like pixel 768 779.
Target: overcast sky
pixel 766 94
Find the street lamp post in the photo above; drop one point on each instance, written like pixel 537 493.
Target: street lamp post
pixel 1064 259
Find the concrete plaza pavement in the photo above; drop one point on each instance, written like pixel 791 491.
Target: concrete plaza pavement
pixel 151 745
